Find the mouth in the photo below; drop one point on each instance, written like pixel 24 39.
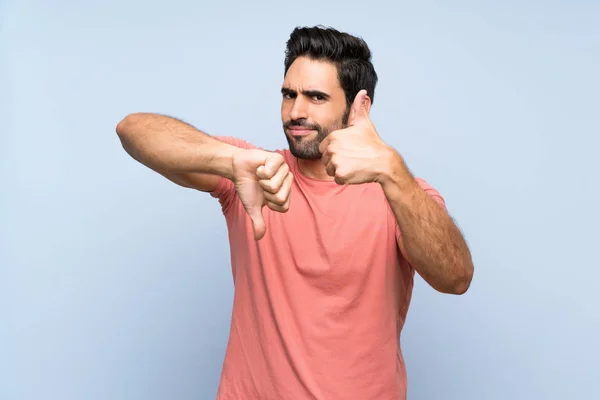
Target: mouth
pixel 299 131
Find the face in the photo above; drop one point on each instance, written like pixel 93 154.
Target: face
pixel 313 105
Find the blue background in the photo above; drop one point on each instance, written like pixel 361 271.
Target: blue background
pixel 116 284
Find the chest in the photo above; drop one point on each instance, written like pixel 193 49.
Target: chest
pixel 340 234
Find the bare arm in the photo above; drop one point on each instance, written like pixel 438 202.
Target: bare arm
pixel 176 150
pixel 430 240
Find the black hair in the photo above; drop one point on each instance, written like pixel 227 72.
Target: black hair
pixel 350 54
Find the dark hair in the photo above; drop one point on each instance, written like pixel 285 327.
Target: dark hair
pixel 349 53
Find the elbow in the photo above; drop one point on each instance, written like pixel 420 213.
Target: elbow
pixel 461 287
pixel 461 281
pixel 127 125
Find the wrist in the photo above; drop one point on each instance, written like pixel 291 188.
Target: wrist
pixel 394 171
pixel 223 158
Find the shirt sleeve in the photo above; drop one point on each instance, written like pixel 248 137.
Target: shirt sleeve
pixel 225 190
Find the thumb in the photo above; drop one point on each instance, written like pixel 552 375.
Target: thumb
pixel 359 107
pixel 258 222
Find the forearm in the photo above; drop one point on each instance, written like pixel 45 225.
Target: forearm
pixel 430 239
pixel 168 145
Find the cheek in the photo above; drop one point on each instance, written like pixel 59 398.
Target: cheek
pixel 329 117
pixel 285 111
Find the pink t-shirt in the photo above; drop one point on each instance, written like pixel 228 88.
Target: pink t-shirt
pixel 321 299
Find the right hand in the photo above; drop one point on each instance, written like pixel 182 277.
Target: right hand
pixel 261 178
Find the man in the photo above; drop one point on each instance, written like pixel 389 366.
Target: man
pixel 325 237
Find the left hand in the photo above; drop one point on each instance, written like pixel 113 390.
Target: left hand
pixel 356 154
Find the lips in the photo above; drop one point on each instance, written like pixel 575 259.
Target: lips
pixel 299 131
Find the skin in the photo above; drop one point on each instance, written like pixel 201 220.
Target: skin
pixel 354 153
pixel 344 146
pixel 313 98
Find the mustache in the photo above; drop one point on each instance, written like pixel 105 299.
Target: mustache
pixel 301 123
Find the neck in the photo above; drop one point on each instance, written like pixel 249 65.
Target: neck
pixel 313 169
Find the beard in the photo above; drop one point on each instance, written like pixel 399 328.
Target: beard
pixel 308 149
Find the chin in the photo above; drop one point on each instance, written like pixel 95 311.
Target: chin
pixel 306 151
pixel 307 157
pixel 305 147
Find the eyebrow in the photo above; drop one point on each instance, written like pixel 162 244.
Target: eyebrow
pixel 309 93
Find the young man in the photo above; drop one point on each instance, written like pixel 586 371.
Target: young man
pixel 325 237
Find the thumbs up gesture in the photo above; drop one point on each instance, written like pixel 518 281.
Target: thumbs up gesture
pixel 356 154
pixel 261 179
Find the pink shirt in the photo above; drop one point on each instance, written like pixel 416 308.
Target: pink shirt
pixel 321 300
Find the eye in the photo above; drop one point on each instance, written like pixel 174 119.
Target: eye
pixel 318 97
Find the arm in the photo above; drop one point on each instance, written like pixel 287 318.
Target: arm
pixel 430 240
pixel 193 159
pixel 176 150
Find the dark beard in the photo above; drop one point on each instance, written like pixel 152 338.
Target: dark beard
pixel 308 149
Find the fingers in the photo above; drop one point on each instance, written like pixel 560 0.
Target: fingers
pixel 270 167
pixel 273 184
pixel 280 201
pixel 275 179
pixel 325 156
pixel 276 207
pixel 277 188
pixel 327 160
pixel 330 168
pixel 324 144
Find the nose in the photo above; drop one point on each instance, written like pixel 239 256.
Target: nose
pixel 299 109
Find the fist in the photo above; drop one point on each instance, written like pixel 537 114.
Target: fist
pixel 356 154
pixel 261 178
